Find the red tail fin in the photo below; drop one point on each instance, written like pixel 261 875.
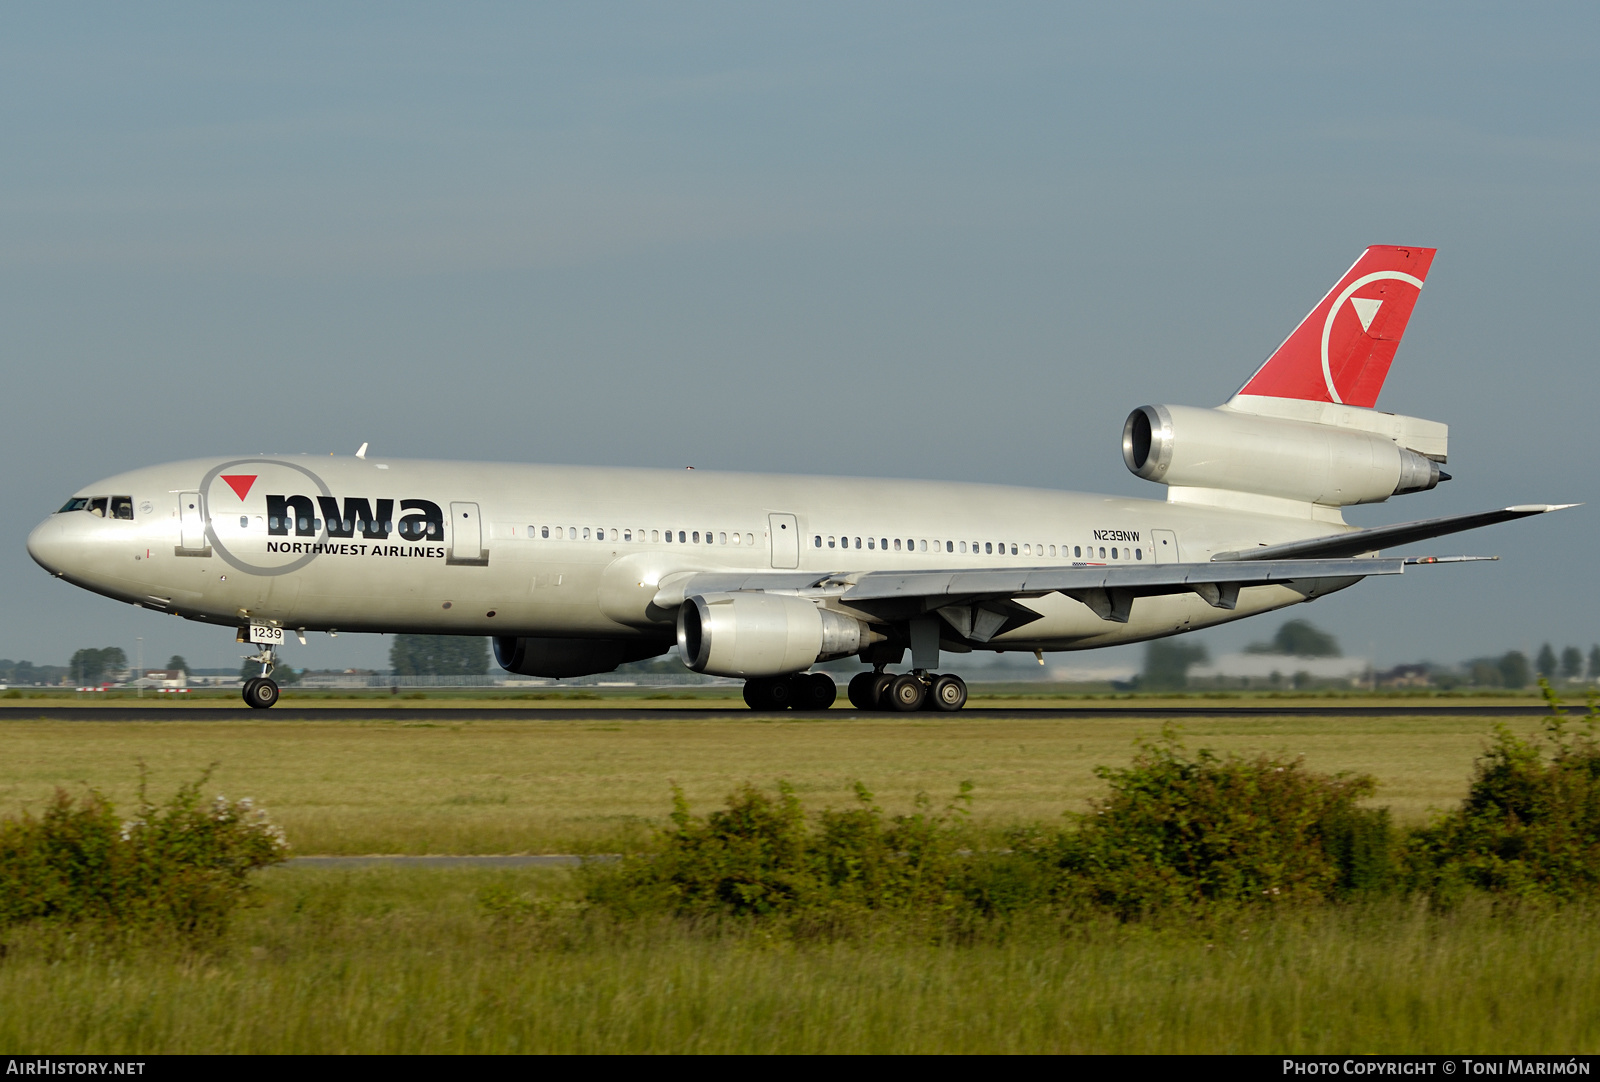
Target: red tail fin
pixel 1341 352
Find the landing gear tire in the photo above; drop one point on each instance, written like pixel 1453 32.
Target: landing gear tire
pixel 906 693
pixel 813 691
pixel 880 690
pixel 764 693
pixel 949 693
pixel 860 691
pixel 260 693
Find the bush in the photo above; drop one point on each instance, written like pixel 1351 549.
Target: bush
pixel 758 856
pixel 183 865
pixel 1530 826
pixel 1177 831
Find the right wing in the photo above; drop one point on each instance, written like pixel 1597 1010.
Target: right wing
pixel 1357 542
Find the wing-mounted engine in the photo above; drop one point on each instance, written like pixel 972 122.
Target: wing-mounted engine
pixel 1312 452
pixel 763 634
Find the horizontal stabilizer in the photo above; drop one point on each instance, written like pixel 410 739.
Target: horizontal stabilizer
pixel 1357 542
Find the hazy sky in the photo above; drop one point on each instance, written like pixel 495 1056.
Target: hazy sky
pixel 909 240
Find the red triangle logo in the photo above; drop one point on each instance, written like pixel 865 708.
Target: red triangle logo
pixel 240 483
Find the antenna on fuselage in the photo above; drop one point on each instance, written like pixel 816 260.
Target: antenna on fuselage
pixel 362 451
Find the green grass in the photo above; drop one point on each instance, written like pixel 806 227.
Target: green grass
pixel 387 960
pixel 574 784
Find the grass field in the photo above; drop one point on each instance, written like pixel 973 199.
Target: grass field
pixel 386 960
pixel 387 785
pixel 406 959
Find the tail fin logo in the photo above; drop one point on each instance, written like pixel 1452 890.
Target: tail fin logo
pixel 1366 311
pixel 1342 350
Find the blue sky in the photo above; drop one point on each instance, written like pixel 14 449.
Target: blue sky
pixel 906 240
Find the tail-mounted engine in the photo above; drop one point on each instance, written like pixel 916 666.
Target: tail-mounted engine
pixel 1335 455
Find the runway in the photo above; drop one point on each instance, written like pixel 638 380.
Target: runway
pixel 410 713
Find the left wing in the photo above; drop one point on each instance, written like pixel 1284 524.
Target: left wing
pixel 981 602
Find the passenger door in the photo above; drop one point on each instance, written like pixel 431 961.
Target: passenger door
pixel 191 515
pixel 466 536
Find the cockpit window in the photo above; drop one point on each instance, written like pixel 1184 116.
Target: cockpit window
pixel 97 506
pixel 77 503
pixel 122 507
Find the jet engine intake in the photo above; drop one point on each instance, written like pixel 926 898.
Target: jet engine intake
pixel 559 658
pixel 761 634
pixel 1188 447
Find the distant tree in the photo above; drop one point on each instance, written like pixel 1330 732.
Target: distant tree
pixel 1514 669
pixel 1299 638
pixel 90 666
pixel 439 655
pixel 176 661
pixel 1485 672
pixel 1167 662
pixel 1571 663
pixel 1545 662
pixel 1594 662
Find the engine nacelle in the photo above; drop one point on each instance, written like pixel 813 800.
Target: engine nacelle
pixel 759 634
pixel 559 658
pixel 1188 447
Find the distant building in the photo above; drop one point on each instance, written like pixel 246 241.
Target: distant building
pixel 1406 676
pixel 337 678
pixel 1271 670
pixel 162 678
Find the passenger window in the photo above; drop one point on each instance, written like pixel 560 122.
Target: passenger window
pixel 749 538
pixel 1027 550
pixel 816 542
pixel 988 547
pixel 1052 550
pixel 735 538
pixel 963 546
pixel 1138 554
pixel 681 540
pixel 722 538
pixel 897 544
pixel 1113 554
pixel 1102 552
pixel 1077 550
pixel 872 543
pixel 655 535
pixel 830 542
pixel 922 546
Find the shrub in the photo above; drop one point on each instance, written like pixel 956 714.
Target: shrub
pixel 1179 830
pixel 759 856
pixel 1530 825
pixel 183 865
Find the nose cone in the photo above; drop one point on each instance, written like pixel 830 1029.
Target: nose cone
pixel 47 545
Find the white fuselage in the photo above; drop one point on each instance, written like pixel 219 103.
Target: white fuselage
pixel 579 552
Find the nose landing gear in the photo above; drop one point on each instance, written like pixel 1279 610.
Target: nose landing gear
pixel 260 692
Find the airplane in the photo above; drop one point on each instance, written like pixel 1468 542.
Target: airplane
pixel 577 570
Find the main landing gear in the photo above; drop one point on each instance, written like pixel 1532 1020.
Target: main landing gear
pixel 915 690
pixel 801 691
pixel 260 692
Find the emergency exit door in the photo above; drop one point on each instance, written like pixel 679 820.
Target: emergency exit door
pixel 1165 545
pixel 785 533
